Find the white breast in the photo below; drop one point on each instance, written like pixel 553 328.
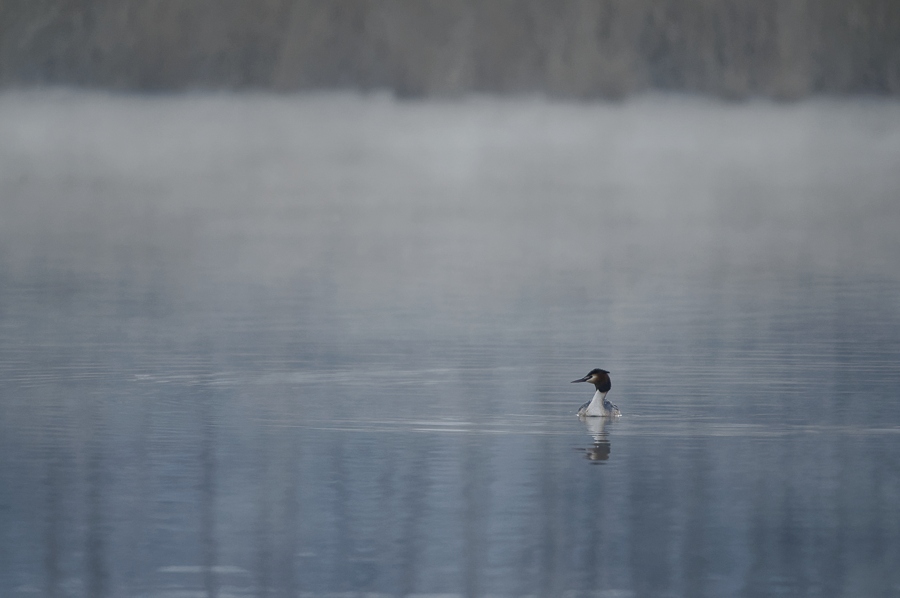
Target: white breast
pixel 595 407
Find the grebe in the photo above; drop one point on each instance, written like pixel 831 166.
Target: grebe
pixel 598 406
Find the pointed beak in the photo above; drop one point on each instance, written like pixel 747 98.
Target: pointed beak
pixel 585 379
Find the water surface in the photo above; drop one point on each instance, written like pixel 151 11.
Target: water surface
pixel 322 345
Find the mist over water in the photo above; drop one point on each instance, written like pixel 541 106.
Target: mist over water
pixel 321 344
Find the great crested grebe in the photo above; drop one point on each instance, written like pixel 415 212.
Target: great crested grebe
pixel 598 406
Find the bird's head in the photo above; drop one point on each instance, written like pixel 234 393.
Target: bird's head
pixel 597 377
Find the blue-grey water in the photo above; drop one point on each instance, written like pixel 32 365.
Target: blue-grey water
pixel 321 346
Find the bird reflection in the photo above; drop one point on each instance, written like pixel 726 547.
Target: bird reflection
pixel 601 448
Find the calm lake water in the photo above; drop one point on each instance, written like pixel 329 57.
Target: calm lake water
pixel 321 346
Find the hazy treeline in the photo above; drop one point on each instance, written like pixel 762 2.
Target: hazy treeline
pixel 571 48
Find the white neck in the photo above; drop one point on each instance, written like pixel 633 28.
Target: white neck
pixel 596 405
